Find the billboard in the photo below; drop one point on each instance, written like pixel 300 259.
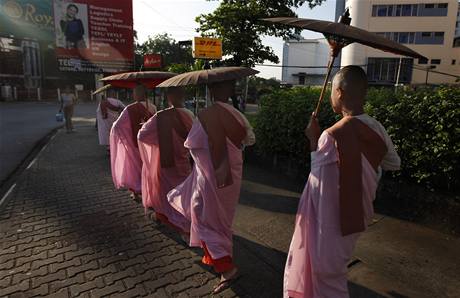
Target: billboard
pixel 86 35
pixel 207 48
pixel 94 35
pixel 152 61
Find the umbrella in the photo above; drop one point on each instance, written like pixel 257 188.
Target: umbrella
pixel 342 34
pixel 102 89
pixel 149 79
pixel 208 76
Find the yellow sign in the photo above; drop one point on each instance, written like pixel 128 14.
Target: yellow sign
pixel 207 48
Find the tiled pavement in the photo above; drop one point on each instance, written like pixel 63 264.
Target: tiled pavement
pixel 67 233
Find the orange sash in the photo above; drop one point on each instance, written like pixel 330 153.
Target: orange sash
pixel 169 120
pixel 219 125
pixel 354 138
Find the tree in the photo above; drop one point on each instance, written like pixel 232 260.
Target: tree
pixel 172 51
pixel 238 23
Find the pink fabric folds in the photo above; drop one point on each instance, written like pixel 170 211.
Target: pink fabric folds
pixel 104 124
pixel 318 255
pixel 158 181
pixel 209 208
pixel 125 159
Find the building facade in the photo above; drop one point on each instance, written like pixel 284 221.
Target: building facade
pixel 430 27
pixel 304 61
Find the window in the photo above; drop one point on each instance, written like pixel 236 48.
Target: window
pixel 442 5
pixel 426 34
pixel 415 10
pixel 398 10
pixel 435 61
pixel 403 37
pixel 422 61
pixel 454 61
pixel 382 10
pixel 439 34
pixel 395 36
pixel 406 10
pixel 411 37
pixel 384 71
pixel 374 10
pixel 429 6
pixel 301 80
pixel 390 10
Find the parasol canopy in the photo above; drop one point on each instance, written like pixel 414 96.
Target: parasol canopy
pixel 149 79
pixel 102 89
pixel 209 76
pixel 341 34
pixel 347 34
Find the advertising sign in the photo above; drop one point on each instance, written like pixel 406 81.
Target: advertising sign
pixel 94 35
pixel 152 61
pixel 207 48
pixel 27 19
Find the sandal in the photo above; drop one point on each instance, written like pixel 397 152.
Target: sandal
pixel 226 283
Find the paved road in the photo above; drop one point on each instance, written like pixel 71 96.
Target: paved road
pixel 23 124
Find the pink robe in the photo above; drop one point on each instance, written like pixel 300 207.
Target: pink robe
pixel 318 255
pixel 209 208
pixel 158 181
pixel 126 163
pixel 105 124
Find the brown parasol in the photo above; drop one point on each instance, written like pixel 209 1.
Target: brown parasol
pixel 149 79
pixel 208 76
pixel 102 89
pixel 342 34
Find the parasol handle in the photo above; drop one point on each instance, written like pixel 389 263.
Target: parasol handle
pixel 323 91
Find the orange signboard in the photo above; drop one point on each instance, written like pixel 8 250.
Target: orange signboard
pixel 207 48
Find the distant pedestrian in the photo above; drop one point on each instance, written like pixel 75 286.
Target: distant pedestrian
pixel 108 111
pixel 124 152
pixel 336 204
pixel 68 101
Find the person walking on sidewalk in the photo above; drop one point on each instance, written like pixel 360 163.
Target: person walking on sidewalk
pixel 336 204
pixel 68 101
pixel 126 163
pixel 165 160
pixel 107 112
pixel 210 194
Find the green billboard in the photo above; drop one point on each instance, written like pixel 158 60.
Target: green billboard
pixel 27 19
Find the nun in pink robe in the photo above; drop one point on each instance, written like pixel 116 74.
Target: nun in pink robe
pixel 126 163
pixel 166 162
pixel 336 204
pixel 107 112
pixel 208 197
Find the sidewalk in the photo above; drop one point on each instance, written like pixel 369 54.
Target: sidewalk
pixel 66 232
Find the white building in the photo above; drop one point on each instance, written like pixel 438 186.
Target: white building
pixel 304 61
pixel 428 27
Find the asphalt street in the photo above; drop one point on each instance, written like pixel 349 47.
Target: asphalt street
pixel 23 124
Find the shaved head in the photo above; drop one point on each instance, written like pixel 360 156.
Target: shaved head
pixel 176 96
pixel 353 80
pixel 349 88
pixel 222 91
pixel 139 93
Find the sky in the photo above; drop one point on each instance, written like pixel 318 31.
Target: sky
pixel 177 18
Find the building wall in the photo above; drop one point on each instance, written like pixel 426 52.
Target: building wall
pixel 361 14
pixel 305 52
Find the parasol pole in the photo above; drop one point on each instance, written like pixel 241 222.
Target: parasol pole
pixel 335 50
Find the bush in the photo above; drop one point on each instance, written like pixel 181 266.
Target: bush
pixel 424 126
pixel 283 116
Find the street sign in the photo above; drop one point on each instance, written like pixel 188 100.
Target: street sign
pixel 152 61
pixel 207 48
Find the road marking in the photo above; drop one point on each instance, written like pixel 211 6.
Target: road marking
pixel 39 153
pixel 7 194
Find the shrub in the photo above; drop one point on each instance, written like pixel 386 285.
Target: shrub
pixel 424 126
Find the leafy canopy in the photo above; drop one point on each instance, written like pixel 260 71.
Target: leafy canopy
pixel 238 23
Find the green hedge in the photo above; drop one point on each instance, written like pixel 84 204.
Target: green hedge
pixel 424 125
